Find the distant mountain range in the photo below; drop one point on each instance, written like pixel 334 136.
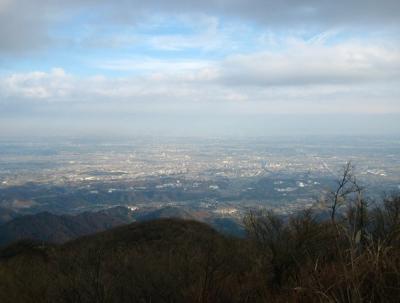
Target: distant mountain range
pixel 52 228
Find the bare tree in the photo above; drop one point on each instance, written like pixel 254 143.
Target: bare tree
pixel 346 185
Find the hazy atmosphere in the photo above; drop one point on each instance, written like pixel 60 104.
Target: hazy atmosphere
pixel 204 68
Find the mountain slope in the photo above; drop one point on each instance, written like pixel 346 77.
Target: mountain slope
pixel 173 260
pixel 52 228
pixel 6 215
pixel 164 213
pixel 167 260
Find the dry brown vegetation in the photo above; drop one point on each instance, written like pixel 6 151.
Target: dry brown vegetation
pixel 297 260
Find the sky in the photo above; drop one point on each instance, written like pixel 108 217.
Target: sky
pixel 199 68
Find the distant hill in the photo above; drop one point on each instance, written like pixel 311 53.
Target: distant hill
pixel 149 233
pixel 120 212
pixel 52 228
pixel 225 225
pixel 165 212
pixel 6 215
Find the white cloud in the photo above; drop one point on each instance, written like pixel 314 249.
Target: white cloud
pixel 37 85
pixel 202 89
pixel 307 77
pixel 314 64
pixel 148 64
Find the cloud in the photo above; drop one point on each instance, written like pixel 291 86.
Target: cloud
pixel 297 64
pixel 271 12
pixel 348 78
pixel 21 28
pixel 36 85
pixel 148 64
pixel 312 64
pixel 27 25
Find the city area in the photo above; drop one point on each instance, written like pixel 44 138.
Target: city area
pixel 205 177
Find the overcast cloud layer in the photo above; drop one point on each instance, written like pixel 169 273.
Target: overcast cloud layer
pixel 220 63
pixel 25 23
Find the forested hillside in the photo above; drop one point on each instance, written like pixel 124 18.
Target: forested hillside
pixel 354 257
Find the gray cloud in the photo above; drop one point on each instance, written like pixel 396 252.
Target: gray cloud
pixel 25 24
pixel 22 25
pixel 271 12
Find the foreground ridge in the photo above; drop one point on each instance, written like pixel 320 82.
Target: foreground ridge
pixel 356 258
